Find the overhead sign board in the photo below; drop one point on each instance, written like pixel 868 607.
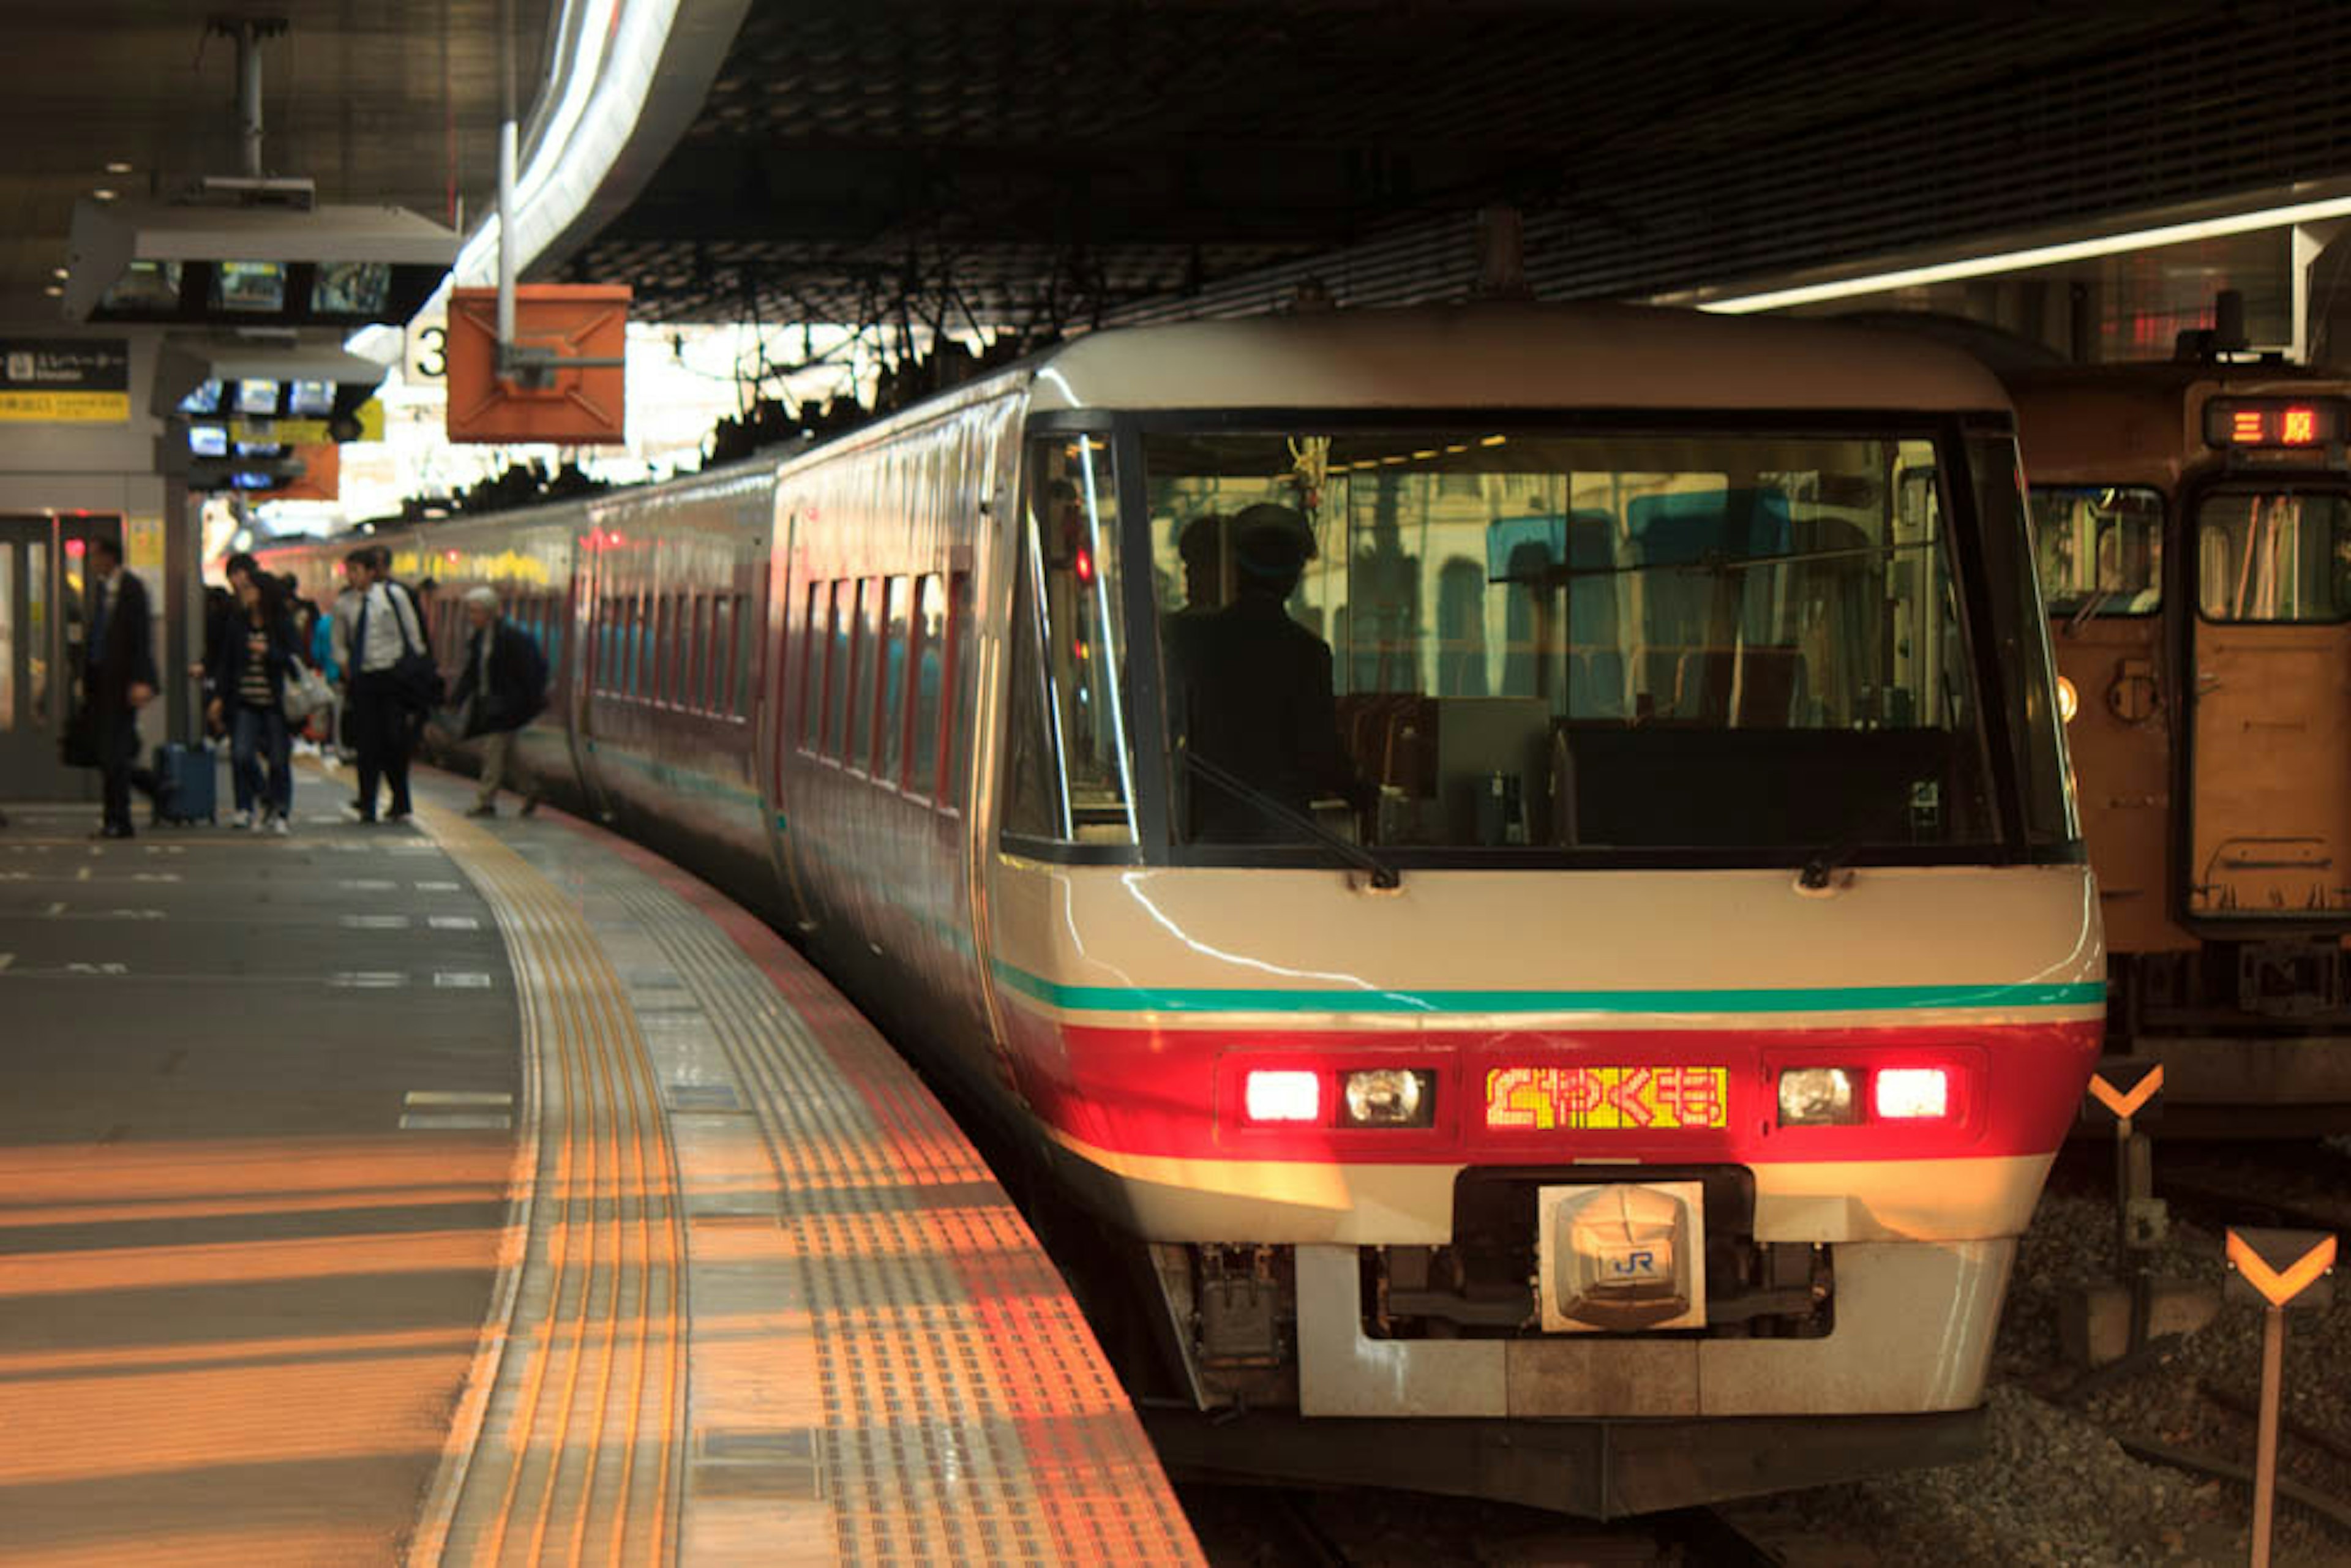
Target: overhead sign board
pixel 583 330
pixel 65 380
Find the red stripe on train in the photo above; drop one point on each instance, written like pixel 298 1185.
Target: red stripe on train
pixel 1177 1092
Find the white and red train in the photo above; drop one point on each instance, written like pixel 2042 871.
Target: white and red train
pixel 1636 1096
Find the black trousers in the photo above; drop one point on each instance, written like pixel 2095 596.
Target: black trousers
pixel 381 733
pixel 117 732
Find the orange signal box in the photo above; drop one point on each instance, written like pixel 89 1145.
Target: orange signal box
pixel 582 406
pixel 322 476
pixel 2281 1268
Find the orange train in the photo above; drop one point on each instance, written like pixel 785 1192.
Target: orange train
pixel 2193 528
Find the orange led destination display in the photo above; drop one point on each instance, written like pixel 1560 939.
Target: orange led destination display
pixel 1604 1098
pixel 2276 423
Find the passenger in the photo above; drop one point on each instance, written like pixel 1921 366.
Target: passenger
pixel 384 627
pixel 248 698
pixel 222 612
pixel 117 677
pixel 504 687
pixel 1255 692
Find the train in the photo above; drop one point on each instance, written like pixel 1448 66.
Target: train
pixel 1517 862
pixel 2193 525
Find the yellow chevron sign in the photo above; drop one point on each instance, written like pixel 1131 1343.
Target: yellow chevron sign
pixel 2123 1104
pixel 2278 1285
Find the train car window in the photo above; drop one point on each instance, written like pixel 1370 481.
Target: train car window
pixel 815 637
pixel 2100 549
pixel 710 653
pixel 890 722
pixel 930 628
pixel 2279 555
pixel 2019 631
pixel 1471 639
pixel 838 614
pixel 1072 540
pixel 961 695
pixel 1034 801
pixel 737 677
pixel 863 658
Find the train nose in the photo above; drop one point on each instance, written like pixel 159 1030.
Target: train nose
pixel 1622 1256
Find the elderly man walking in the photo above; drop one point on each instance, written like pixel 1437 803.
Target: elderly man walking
pixel 504 688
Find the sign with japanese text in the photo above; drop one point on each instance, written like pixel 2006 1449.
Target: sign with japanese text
pixel 65 380
pixel 1599 1099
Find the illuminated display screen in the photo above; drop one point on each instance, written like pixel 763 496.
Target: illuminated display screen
pixel 311 400
pixel 1604 1099
pixel 257 398
pixel 255 286
pixel 145 286
pixel 205 399
pixel 351 288
pixel 2274 424
pixel 208 440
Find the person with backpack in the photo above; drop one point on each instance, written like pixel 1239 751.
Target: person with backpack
pixel 504 687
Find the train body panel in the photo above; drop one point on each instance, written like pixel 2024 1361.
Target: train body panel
pixel 1710 865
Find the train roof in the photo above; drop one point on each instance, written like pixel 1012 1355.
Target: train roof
pixel 1496 355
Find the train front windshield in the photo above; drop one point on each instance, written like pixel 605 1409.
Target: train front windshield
pixel 1459 643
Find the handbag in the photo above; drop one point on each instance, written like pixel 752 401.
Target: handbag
pixel 305 692
pixel 78 747
pixel 415 677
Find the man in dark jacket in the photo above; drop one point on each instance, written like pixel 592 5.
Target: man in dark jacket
pixel 504 688
pixel 118 675
pixel 1252 692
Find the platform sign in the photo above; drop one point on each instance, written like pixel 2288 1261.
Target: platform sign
pixel 65 380
pixel 2281 1268
pixel 2127 1088
pixel 562 322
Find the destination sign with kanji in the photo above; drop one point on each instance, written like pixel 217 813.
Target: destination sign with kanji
pixel 1606 1099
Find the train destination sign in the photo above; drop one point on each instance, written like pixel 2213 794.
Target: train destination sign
pixel 2287 423
pixel 65 380
pixel 1607 1099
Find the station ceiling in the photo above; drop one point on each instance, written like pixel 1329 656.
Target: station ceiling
pixel 379 103
pixel 1066 161
pixel 1062 162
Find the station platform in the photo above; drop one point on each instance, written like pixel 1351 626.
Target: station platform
pixel 492 1192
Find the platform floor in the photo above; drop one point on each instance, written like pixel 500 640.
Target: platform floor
pixel 492 1192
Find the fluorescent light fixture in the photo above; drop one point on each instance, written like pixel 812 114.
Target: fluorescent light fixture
pixel 102 194
pixel 1733 303
pixel 60 273
pixel 118 167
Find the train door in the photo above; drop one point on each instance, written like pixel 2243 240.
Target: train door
pixel 40 636
pixel 2268 824
pixel 783 692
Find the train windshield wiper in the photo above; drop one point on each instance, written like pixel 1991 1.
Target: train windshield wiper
pixel 1384 876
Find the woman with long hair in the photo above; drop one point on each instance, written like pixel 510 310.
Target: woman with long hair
pixel 248 700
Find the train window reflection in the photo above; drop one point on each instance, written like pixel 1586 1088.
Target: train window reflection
pixel 1070 572
pixel 890 741
pixel 930 636
pixel 2274 556
pixel 861 659
pixel 838 613
pixel 1572 640
pixel 2100 549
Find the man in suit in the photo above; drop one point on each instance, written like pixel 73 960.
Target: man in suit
pixel 118 674
pixel 1251 688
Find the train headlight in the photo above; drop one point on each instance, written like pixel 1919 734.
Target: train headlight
pixel 1817 1097
pixel 1388 1097
pixel 2069 701
pixel 1910 1094
pixel 1282 1096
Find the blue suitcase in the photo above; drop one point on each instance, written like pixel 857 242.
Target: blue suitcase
pixel 186 784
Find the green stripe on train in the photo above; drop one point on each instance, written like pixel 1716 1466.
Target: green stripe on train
pixel 1806 999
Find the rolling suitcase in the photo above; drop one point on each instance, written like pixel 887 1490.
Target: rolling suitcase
pixel 186 784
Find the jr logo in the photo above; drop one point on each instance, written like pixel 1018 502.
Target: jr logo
pixel 1637 1263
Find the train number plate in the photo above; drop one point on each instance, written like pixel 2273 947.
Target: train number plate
pixel 1606 1099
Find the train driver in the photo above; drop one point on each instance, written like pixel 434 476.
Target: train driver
pixel 1253 690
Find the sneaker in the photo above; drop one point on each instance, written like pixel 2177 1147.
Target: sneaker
pixel 243 819
pixel 277 825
